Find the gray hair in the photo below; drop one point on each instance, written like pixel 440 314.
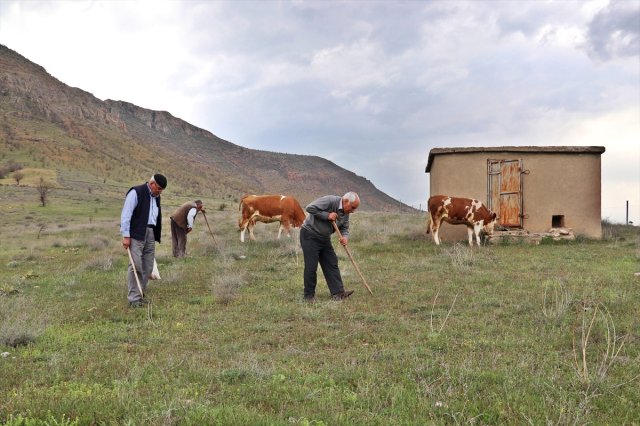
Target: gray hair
pixel 351 196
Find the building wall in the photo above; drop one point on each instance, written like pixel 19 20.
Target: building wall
pixel 557 184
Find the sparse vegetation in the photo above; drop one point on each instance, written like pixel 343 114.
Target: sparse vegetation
pixel 461 255
pixel 18 176
pixel 556 300
pixel 506 335
pixel 21 324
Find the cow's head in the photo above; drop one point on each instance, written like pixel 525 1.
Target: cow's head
pixel 490 224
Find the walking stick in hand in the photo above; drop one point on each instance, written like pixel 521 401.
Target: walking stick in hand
pixel 355 265
pixel 135 273
pixel 211 232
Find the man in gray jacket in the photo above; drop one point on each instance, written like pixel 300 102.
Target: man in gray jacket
pixel 315 239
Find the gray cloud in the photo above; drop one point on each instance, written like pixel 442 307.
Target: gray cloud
pixel 372 86
pixel 615 31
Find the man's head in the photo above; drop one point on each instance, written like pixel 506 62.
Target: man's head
pixel 350 202
pixel 157 183
pixel 199 205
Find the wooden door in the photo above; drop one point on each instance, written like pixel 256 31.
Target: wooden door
pixel 505 191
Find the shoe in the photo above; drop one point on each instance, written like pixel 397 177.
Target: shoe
pixel 137 304
pixel 342 295
pixel 144 301
pixel 310 300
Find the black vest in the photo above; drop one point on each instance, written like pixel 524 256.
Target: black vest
pixel 140 215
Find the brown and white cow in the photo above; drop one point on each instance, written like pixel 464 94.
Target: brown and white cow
pixel 269 208
pixel 457 211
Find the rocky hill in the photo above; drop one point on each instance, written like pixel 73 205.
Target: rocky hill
pixel 45 123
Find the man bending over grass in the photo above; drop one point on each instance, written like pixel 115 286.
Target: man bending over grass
pixel 315 239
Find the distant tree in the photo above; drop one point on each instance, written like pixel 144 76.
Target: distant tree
pixel 43 189
pixel 18 176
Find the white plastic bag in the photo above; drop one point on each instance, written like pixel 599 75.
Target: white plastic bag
pixel 155 274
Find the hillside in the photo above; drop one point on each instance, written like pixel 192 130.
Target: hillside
pixel 44 123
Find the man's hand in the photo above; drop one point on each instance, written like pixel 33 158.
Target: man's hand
pixel 126 242
pixel 333 216
pixel 344 241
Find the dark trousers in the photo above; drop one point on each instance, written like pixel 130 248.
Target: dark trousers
pixel 317 249
pixel 178 240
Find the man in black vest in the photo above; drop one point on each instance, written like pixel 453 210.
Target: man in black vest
pixel 141 226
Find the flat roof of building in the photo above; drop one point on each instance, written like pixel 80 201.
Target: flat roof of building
pixel 535 149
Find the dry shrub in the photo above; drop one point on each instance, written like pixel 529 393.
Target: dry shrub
pixel 171 275
pixel 596 346
pixel 462 256
pixel 444 320
pixel 226 285
pixel 98 243
pixel 556 300
pixel 101 263
pixel 20 322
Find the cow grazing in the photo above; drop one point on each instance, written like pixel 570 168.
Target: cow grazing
pixel 269 208
pixel 456 211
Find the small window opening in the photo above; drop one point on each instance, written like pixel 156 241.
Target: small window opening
pixel 557 221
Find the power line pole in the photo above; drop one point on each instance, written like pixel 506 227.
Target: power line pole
pixel 627 212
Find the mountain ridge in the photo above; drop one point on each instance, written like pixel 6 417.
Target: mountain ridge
pixel 44 122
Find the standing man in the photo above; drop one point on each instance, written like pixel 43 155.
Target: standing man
pixel 182 223
pixel 141 226
pixel 315 239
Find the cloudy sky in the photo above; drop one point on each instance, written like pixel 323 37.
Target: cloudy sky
pixel 370 85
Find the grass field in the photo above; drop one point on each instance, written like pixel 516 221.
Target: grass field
pixel 508 334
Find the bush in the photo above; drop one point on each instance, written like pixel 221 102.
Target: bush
pixel 20 323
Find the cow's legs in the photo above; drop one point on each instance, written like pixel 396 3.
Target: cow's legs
pixel 287 227
pixel 251 225
pixel 280 230
pixel 470 234
pixel 476 230
pixel 435 227
pixel 243 228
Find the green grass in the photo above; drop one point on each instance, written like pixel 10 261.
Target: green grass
pixel 450 336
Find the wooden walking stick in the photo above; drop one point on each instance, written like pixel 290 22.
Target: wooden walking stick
pixel 211 232
pixel 135 273
pixel 355 265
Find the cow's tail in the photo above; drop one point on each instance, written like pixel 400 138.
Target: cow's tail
pixel 240 210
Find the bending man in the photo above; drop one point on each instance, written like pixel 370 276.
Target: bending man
pixel 182 223
pixel 141 226
pixel 315 239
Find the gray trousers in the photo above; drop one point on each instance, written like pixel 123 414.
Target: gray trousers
pixel 143 254
pixel 178 240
